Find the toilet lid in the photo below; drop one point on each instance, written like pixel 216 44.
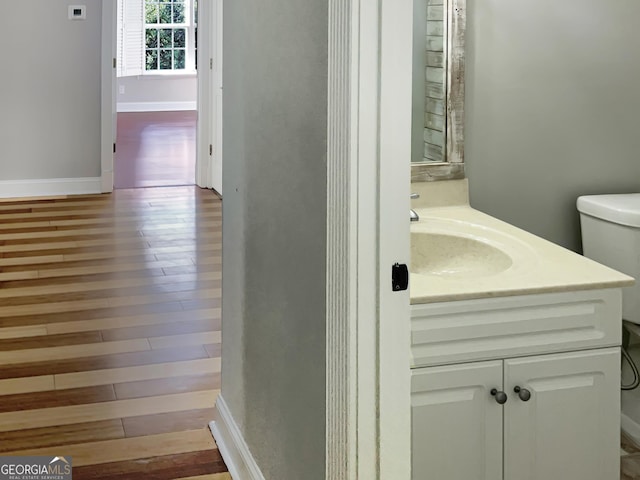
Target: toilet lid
pixel 623 209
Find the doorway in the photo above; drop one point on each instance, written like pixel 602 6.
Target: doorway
pixel 156 93
pixel 161 94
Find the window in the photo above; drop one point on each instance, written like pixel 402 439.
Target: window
pixel 156 36
pixel 170 31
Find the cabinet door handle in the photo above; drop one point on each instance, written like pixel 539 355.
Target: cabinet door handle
pixel 523 393
pixel 500 397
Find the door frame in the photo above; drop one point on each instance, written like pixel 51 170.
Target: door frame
pixel 368 184
pixel 216 85
pixel 205 108
pixel 108 94
pixel 394 184
pixel 209 117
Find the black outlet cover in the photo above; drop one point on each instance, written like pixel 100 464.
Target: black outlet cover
pixel 399 277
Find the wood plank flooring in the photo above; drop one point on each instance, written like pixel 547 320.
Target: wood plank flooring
pixel 110 332
pixel 155 149
pixel 630 459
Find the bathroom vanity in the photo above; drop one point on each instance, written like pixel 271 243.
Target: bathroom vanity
pixel 515 349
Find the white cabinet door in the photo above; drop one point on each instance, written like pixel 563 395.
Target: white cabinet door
pixel 456 423
pixel 569 428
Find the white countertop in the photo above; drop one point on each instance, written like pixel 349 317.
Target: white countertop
pixel 539 266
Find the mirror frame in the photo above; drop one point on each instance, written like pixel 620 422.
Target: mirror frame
pixel 453 168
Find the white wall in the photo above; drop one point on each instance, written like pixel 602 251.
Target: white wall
pixel 552 108
pixel 50 88
pixel 157 92
pixel 274 231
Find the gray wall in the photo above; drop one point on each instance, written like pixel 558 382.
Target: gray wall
pixel 274 233
pixel 50 92
pixel 157 89
pixel 552 108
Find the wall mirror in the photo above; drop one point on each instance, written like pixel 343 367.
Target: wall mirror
pixel 437 149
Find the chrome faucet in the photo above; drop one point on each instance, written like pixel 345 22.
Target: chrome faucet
pixel 413 216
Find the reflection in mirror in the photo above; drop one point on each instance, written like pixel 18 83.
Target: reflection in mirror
pixel 428 81
pixel 438 90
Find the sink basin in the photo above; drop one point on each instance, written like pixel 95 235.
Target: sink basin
pixel 445 254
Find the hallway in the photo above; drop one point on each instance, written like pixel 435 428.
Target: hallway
pixel 110 332
pixel 155 149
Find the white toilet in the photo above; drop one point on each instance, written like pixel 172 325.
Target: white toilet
pixel 611 235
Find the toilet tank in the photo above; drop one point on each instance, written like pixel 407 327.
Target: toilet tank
pixel 610 226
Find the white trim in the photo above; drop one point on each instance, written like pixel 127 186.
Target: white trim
pixel 630 427
pixel 48 187
pixel 156 106
pixel 204 94
pixel 108 95
pixel 107 182
pixel 164 74
pixel 369 129
pixel 341 281
pixel 231 445
pixel 365 137
pixel 394 334
pixel 216 96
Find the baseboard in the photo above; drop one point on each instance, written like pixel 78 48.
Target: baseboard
pixel 156 106
pixel 630 428
pixel 107 182
pixel 231 445
pixel 49 187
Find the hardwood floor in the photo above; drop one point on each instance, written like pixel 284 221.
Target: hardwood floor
pixel 110 332
pixel 630 459
pixel 155 149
